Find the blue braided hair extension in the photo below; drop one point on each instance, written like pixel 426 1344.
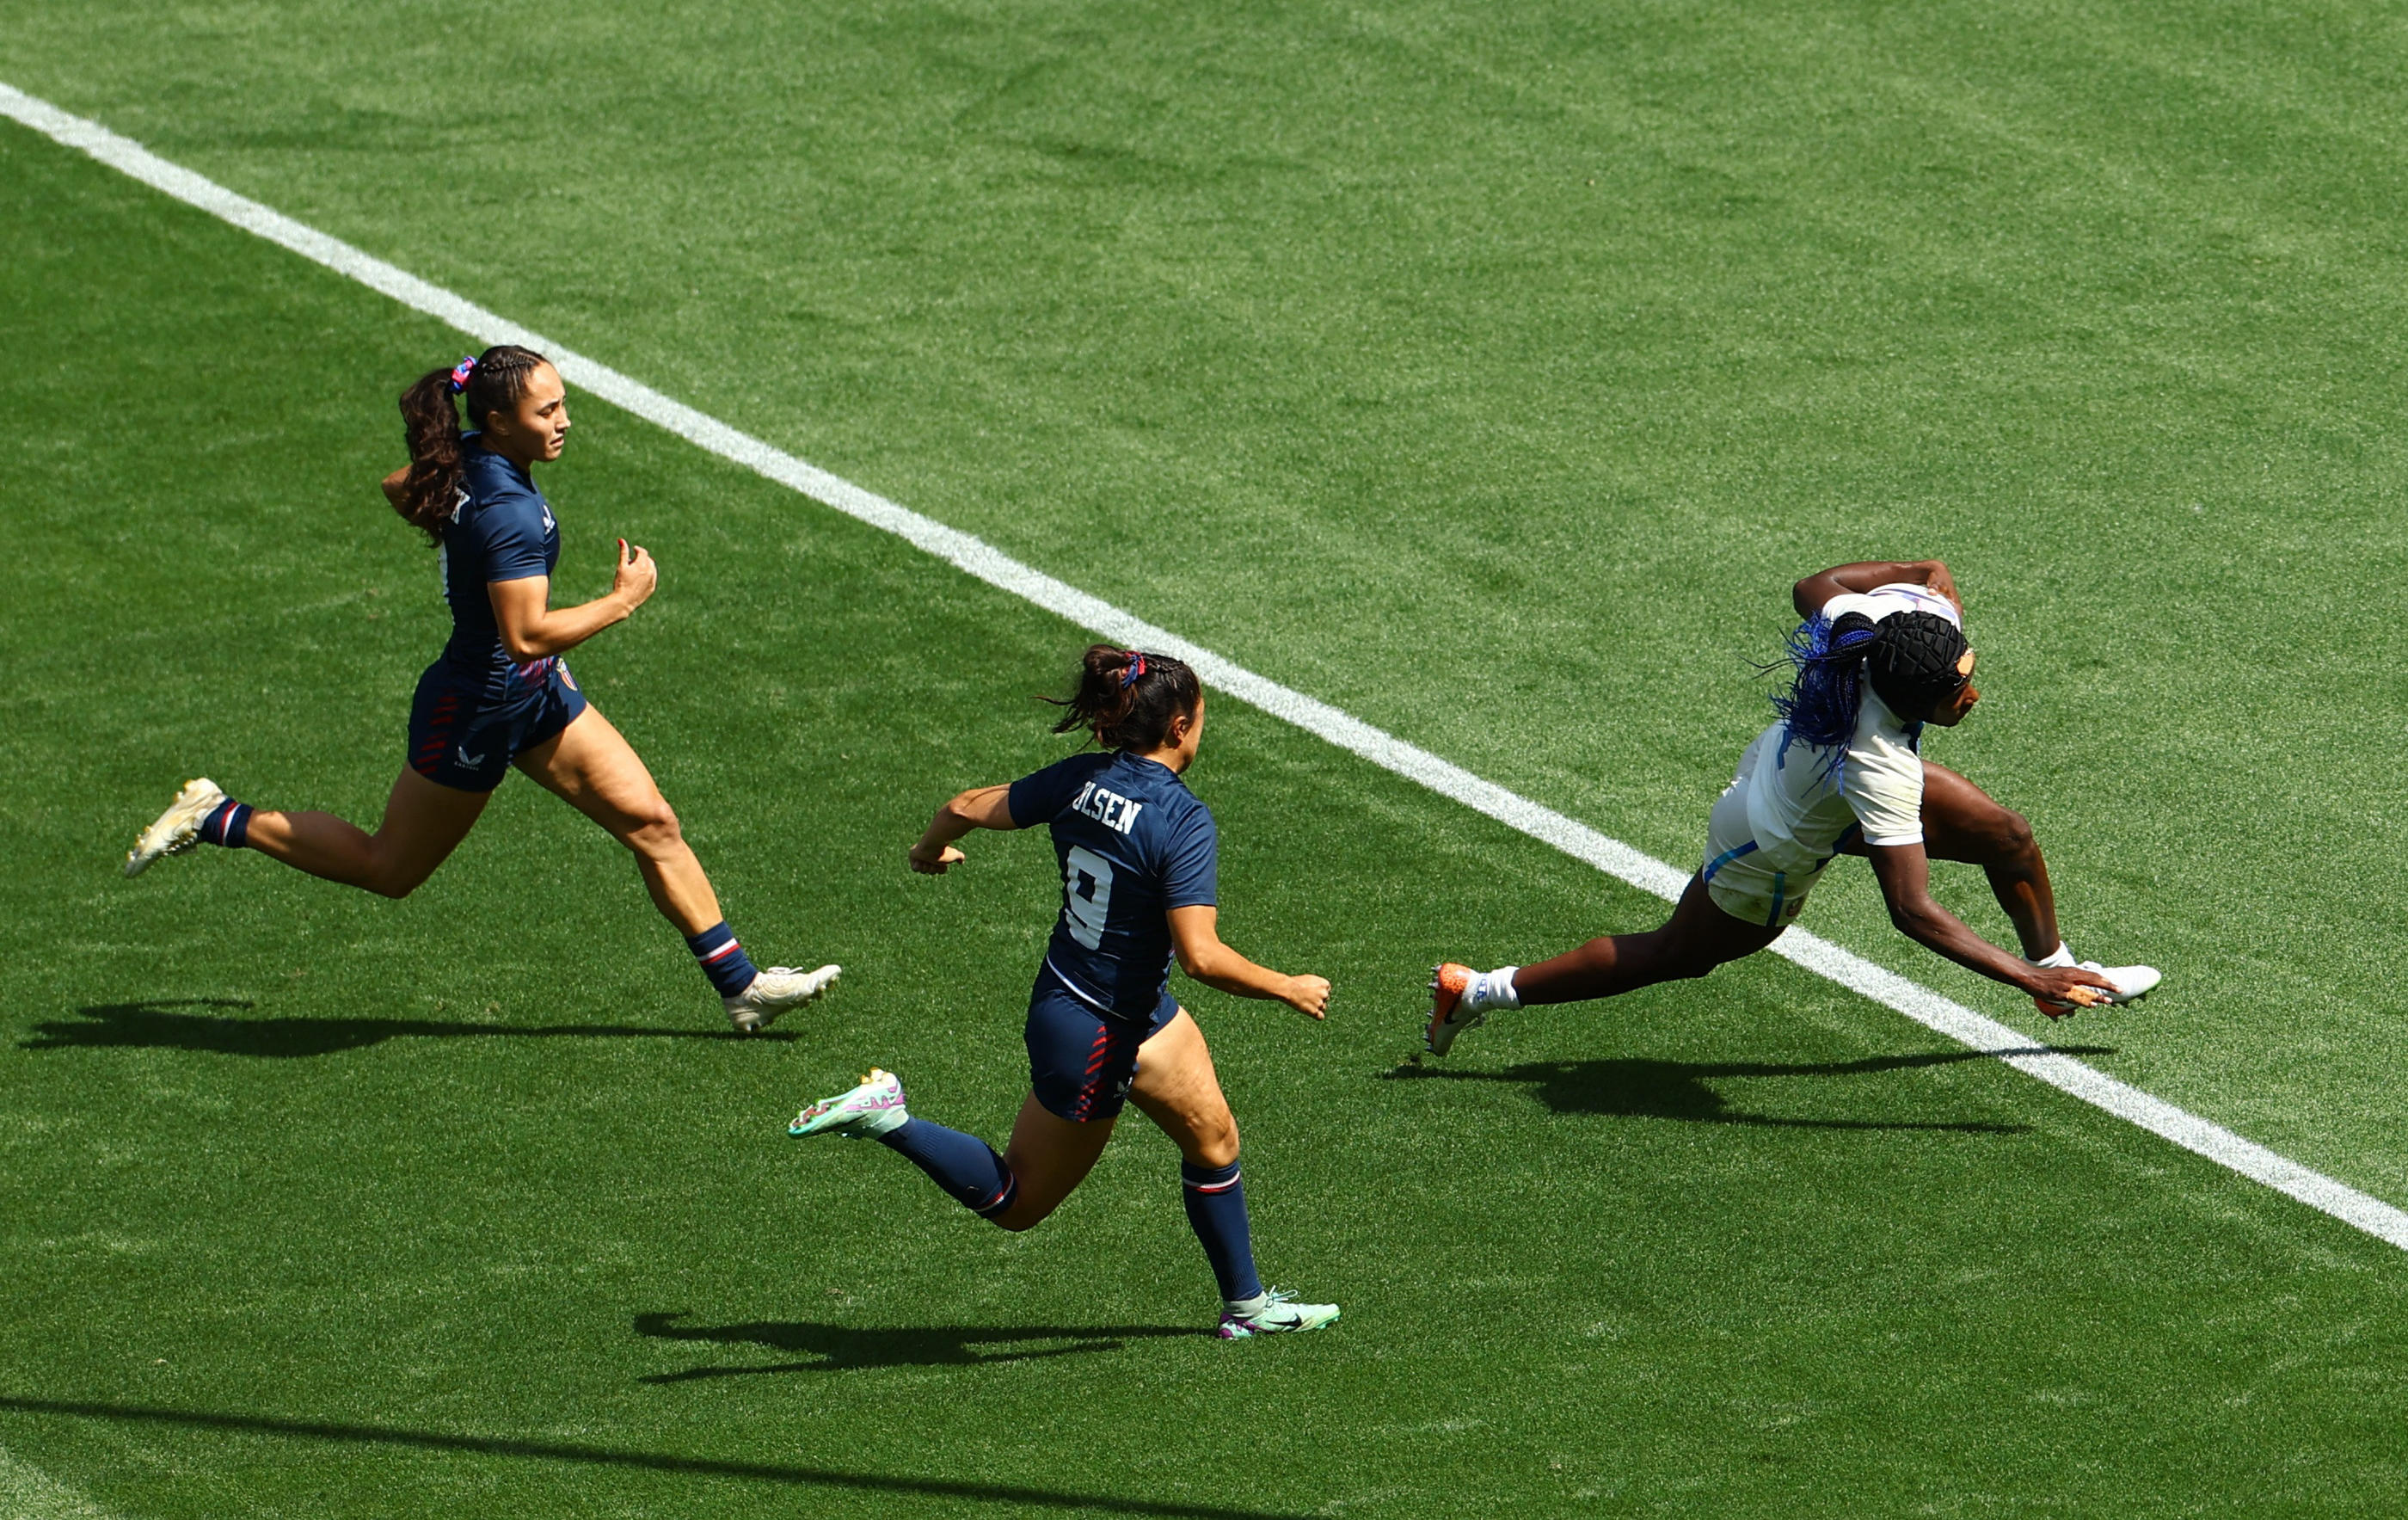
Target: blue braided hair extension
pixel 1826 691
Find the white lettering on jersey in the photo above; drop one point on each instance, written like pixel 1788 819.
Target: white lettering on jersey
pixel 1110 808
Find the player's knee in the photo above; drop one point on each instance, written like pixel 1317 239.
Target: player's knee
pixel 655 827
pixel 390 878
pixel 1691 961
pixel 1216 1144
pixel 1023 1217
pixel 2011 834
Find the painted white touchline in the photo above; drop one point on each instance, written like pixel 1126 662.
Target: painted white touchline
pixel 992 566
pixel 28 1493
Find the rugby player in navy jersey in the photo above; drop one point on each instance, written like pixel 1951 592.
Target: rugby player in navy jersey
pixel 1137 857
pixel 501 695
pixel 1881 656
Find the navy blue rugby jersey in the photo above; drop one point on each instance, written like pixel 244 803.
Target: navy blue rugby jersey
pixel 501 529
pixel 1133 843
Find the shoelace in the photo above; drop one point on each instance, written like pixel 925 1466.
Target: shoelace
pixel 1272 1298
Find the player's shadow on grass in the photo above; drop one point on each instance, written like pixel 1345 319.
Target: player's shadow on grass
pixel 835 1347
pixel 1639 1088
pixel 906 1489
pixel 187 1024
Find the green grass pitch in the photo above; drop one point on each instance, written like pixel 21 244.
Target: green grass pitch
pixel 1488 371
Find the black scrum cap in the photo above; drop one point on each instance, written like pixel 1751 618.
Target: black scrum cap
pixel 1911 659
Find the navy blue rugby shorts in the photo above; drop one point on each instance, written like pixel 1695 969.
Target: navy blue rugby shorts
pixel 466 728
pixel 1081 1060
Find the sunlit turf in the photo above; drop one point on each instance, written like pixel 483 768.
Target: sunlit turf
pixel 1309 334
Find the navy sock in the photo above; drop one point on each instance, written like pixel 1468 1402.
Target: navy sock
pixel 962 1165
pixel 228 824
pixel 722 960
pixel 1217 1209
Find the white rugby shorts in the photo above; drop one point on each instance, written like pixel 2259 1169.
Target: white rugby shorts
pixel 1737 880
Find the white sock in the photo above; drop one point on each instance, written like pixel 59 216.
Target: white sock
pixel 1492 990
pixel 2062 956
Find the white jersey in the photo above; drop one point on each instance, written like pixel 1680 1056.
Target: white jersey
pixel 1797 810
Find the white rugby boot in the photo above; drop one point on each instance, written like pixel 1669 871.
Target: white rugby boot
pixel 1272 1311
pixel 772 992
pixel 2133 984
pixel 179 828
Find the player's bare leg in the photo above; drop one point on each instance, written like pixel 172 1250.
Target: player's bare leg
pixel 1177 1088
pixel 1048 1156
pixel 1962 823
pixel 424 822
pixel 1698 938
pixel 593 767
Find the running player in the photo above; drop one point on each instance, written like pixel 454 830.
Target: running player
pixel 1882 653
pixel 1137 855
pixel 501 694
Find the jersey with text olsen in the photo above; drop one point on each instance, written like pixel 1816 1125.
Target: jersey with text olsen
pixel 1132 843
pixel 501 529
pixel 1797 810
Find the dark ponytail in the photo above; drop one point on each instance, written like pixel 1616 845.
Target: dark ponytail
pixel 492 382
pixel 1128 698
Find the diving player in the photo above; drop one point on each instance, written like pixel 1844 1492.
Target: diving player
pixel 1138 855
pixel 501 695
pixel 1882 653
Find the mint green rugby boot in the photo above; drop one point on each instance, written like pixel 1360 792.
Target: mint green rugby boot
pixel 1272 1311
pixel 862 1112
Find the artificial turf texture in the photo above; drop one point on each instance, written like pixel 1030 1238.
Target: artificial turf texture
pixel 1488 375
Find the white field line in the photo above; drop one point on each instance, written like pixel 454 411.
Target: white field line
pixel 27 1493
pixel 990 564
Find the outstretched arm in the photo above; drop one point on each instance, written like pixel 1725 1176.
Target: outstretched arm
pixel 1196 938
pixel 1905 875
pixel 1810 594
pixel 530 630
pixel 984 806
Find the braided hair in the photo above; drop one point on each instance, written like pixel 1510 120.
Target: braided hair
pixel 485 383
pixel 1909 658
pixel 1128 698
